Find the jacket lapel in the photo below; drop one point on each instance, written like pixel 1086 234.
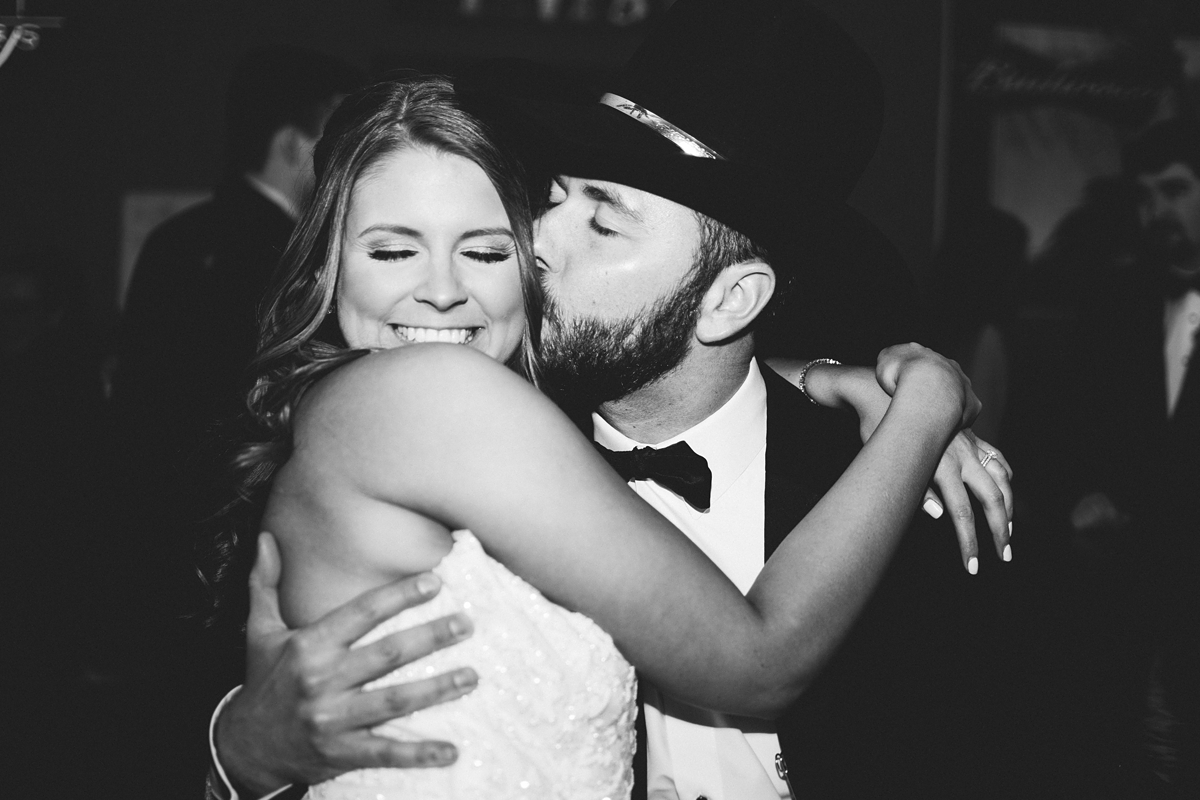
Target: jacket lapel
pixel 808 448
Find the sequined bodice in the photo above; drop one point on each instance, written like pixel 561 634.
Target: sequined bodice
pixel 552 717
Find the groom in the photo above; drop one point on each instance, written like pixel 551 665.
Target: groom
pixel 734 134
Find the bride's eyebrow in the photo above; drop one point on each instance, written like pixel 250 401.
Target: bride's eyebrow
pixel 487 232
pixel 399 230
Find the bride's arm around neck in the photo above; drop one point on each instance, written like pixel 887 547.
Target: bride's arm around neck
pixel 444 438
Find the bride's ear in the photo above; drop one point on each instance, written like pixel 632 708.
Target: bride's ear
pixel 735 299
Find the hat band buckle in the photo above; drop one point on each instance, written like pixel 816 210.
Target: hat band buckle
pixel 689 145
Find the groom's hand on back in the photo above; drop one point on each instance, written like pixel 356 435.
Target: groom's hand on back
pixel 302 716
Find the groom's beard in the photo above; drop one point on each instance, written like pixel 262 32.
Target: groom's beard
pixel 588 361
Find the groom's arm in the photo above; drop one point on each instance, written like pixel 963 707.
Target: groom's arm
pixel 302 716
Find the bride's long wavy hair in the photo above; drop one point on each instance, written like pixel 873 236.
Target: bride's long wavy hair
pixel 299 338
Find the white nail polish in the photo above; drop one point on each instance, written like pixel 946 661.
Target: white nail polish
pixel 1007 552
pixel 1010 530
pixel 973 565
pixel 932 508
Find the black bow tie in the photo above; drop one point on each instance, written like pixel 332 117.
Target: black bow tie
pixel 678 468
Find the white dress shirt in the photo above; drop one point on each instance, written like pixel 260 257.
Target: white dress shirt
pixel 1181 317
pixel 693 752
pixel 274 195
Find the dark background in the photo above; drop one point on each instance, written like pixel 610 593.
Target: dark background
pixel 128 97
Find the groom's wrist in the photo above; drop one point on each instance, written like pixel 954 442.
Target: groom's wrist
pixel 229 777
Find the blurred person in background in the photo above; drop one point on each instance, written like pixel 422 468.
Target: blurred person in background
pixel 973 306
pixel 187 334
pixel 1096 240
pixel 1148 313
pixel 188 329
pixel 1139 437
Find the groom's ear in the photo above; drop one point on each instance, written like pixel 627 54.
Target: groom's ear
pixel 735 299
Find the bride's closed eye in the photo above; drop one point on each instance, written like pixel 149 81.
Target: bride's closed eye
pixel 490 256
pixel 394 254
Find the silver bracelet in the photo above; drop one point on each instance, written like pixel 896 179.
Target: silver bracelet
pixel 800 384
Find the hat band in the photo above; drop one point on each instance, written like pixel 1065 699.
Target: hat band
pixel 687 143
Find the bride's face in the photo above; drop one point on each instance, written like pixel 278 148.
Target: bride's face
pixel 428 255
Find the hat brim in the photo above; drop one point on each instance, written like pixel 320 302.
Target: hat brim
pixel 558 125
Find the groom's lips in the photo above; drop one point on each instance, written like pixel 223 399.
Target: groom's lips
pixel 420 335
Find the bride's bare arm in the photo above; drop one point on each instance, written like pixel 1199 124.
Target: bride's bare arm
pixel 448 433
pixel 959 474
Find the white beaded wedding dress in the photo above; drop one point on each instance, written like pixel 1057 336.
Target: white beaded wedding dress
pixel 553 715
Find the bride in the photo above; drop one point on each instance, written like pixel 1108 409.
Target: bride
pixel 380 459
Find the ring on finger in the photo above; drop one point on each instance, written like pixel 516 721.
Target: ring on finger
pixel 988 456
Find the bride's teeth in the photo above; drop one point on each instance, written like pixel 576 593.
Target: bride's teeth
pixel 448 335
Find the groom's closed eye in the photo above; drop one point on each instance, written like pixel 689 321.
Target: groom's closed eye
pixel 613 201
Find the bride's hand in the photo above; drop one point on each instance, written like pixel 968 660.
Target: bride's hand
pixel 960 472
pixel 972 466
pixel 940 377
pixel 969 464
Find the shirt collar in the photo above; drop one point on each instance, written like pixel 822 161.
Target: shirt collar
pixel 274 195
pixel 729 438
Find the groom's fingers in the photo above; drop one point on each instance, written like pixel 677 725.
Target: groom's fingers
pixel 348 623
pixel 368 751
pixel 364 664
pixel 366 709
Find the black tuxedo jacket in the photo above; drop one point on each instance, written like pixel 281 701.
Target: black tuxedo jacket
pixel 188 330
pixel 1131 449
pixel 890 709
pixel 187 336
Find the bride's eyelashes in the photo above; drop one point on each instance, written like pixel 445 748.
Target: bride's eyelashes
pixel 483 256
pixel 398 254
pixel 490 256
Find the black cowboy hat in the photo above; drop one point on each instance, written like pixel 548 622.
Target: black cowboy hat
pixel 761 114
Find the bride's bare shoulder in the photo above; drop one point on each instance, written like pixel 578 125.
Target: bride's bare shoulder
pixel 425 382
pixel 405 426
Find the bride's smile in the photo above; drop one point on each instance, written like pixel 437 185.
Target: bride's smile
pixel 428 255
pixel 449 335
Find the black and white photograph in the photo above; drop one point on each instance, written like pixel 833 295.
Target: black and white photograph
pixel 600 399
